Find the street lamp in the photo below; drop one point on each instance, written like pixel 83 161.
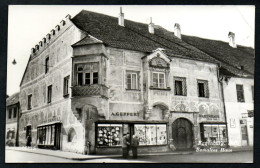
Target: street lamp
pixel 14 62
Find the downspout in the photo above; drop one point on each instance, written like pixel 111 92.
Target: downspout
pixel 220 80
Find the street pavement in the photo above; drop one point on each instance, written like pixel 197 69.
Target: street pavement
pixel 13 156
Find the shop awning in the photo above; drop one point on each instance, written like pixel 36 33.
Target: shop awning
pixel 129 122
pixel 50 123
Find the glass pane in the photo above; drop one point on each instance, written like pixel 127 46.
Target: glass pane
pixel 109 135
pixel 155 80
pixel 139 130
pixel 134 81
pixel 178 88
pixel 223 133
pixel 161 80
pixel 53 135
pixel 95 77
pixel 151 134
pixel 161 134
pixel 80 78
pixel 201 90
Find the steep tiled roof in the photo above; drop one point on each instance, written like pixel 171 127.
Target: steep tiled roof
pixel 135 36
pixel 231 58
pixel 13 99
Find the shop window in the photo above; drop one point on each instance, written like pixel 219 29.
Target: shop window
pixel 240 93
pixel 15 112
pixel 180 86
pixel 47 62
pixel 131 80
pixel 213 133
pixel 87 74
pixel 49 93
pixel 66 86
pixel 9 113
pixel 72 137
pixel 46 135
pixel 29 105
pixel 159 80
pixel 109 135
pixel 151 134
pixel 203 90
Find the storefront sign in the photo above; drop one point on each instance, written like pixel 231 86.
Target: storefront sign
pixel 209 117
pixel 124 114
pixel 54 118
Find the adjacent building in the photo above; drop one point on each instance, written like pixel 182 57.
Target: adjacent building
pixel 95 77
pixel 12 120
pixel 237 79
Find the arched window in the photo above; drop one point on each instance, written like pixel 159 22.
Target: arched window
pixel 72 136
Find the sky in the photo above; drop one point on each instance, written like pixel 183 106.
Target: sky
pixel 28 24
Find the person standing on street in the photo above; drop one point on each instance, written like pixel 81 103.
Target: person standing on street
pixel 135 144
pixel 125 144
pixel 28 141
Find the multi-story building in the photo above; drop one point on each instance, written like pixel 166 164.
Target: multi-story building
pixel 96 77
pixel 12 119
pixel 237 82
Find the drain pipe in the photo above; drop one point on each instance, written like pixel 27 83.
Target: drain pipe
pixel 220 80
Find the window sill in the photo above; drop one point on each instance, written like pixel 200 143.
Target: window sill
pixel 137 90
pixel 180 95
pixel 166 89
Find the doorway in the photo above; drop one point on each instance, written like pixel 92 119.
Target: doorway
pixel 28 131
pixel 182 134
pixel 244 136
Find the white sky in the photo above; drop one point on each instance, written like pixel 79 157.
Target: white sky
pixel 27 25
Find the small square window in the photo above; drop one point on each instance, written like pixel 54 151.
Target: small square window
pixel 180 86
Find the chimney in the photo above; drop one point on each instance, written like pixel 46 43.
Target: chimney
pixel 121 18
pixel 151 26
pixel 177 30
pixel 232 41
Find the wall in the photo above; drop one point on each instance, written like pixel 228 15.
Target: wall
pixel 35 82
pixel 235 109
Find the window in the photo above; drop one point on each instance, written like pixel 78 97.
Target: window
pixel 131 80
pixel 46 135
pixel 180 86
pixel 109 135
pixel 158 79
pixel 66 86
pixel 240 93
pixel 252 88
pixel 47 65
pixel 10 114
pixel 203 90
pixel 87 74
pixel 151 134
pixel 49 93
pixel 29 102
pixel 15 112
pixel 213 133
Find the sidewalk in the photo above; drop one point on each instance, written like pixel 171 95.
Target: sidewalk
pixel 76 156
pixel 242 148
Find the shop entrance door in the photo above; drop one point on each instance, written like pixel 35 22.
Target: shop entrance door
pixel 28 130
pixel 182 134
pixel 57 136
pixel 243 125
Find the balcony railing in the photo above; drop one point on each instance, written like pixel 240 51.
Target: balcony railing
pixel 90 90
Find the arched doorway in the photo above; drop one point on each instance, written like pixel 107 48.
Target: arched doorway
pixel 182 134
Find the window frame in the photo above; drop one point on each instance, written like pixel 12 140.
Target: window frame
pixel 47 64
pixel 10 113
pixel 29 103
pixel 242 100
pixel 66 86
pixel 205 88
pixel 183 85
pixel 90 71
pixel 131 73
pixel 158 80
pixel 49 94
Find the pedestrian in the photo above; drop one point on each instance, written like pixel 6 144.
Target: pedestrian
pixel 135 144
pixel 125 144
pixel 28 141
pixel 128 142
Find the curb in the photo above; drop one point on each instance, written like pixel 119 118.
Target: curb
pixel 105 156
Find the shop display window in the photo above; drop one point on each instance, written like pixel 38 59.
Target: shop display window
pixel 46 135
pixel 151 134
pixel 214 133
pixel 109 135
